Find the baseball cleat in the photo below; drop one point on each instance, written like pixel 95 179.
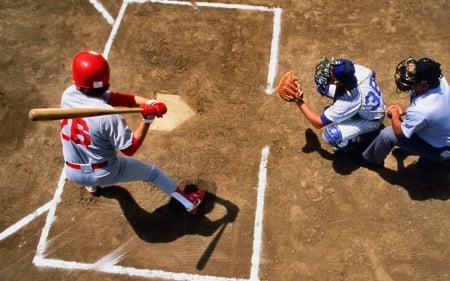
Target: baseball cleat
pixel 94 190
pixel 196 198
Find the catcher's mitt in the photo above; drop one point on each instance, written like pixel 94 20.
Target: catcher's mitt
pixel 289 88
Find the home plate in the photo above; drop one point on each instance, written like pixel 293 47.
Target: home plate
pixel 177 112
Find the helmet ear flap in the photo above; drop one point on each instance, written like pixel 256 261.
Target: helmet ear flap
pixel 405 73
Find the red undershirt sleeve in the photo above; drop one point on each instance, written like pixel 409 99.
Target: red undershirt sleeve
pixel 121 99
pixel 131 150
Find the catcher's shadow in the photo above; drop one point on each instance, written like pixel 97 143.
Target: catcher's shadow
pixel 341 163
pixel 422 180
pixel 170 221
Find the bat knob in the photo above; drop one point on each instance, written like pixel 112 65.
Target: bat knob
pixel 32 114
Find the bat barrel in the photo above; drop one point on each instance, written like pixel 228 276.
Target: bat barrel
pixel 43 114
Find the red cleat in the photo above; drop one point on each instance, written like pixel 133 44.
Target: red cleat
pixel 196 198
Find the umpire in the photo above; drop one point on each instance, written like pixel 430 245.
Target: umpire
pixel 423 127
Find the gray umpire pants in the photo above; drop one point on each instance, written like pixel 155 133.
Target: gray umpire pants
pixel 382 145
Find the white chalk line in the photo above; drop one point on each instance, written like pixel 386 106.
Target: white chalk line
pixel 130 271
pixel 42 245
pixel 39 259
pixel 273 61
pixel 102 10
pixel 257 231
pixel 111 259
pixel 207 4
pixel 26 220
pixel 44 208
pixel 107 263
pixel 115 29
pixel 274 50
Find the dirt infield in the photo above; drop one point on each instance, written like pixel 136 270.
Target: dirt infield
pixel 323 218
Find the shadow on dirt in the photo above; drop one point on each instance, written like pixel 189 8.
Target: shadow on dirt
pixel 170 221
pixel 423 180
pixel 341 162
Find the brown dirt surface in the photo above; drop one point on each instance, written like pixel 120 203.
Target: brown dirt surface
pixel 324 218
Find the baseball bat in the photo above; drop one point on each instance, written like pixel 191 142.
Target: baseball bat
pixel 45 114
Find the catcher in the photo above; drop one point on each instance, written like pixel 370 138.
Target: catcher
pixel 357 108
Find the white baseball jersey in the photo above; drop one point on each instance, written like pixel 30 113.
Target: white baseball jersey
pixel 360 110
pixel 96 140
pixel 81 138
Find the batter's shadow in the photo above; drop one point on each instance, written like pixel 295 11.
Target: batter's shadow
pixel 171 221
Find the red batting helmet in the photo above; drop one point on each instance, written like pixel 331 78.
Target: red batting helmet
pixel 90 70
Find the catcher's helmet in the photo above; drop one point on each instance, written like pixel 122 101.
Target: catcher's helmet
pixel 90 70
pixel 344 71
pixel 322 76
pixel 410 72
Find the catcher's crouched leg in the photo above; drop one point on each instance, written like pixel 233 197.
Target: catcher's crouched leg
pixel 333 136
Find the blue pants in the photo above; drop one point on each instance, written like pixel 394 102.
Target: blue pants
pixel 382 145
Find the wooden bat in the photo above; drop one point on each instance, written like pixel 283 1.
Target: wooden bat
pixel 45 114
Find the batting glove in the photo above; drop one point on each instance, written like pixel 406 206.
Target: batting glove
pixel 152 109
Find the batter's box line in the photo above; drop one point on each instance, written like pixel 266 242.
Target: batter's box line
pixel 110 266
pixel 130 271
pixel 40 260
pixel 276 30
pixel 271 76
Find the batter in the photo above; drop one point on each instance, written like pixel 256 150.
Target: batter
pixel 97 150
